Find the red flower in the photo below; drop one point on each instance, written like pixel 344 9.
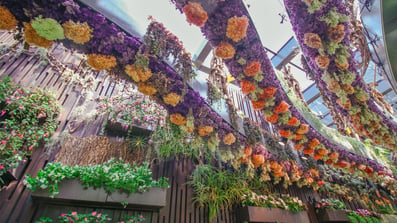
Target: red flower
pixel 284 133
pixel 195 14
pixel 252 68
pixel 282 107
pixel 298 137
pixel 247 86
pixel 258 105
pixel 267 92
pixel 313 143
pixel 272 119
pixel 293 121
pixel 308 151
pixel 329 162
pixel 298 147
pixel 320 183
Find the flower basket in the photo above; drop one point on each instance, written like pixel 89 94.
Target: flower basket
pixel 261 214
pixel 72 191
pixel 331 215
pixel 115 129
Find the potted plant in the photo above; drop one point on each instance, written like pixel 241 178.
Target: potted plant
pixel 271 208
pixel 111 183
pixel 331 210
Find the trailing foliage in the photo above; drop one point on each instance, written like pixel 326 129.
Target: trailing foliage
pixel 97 217
pixel 112 175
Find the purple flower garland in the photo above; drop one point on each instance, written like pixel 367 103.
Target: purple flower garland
pixel 304 22
pixel 251 49
pixel 108 39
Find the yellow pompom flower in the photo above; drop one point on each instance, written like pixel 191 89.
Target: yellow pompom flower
pixel 101 62
pixel 78 32
pixel 146 89
pixel 172 99
pixel 177 119
pixel 7 19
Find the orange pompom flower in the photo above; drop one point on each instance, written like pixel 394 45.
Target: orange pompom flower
pixel 303 129
pixel 247 151
pixel 195 14
pixel 33 38
pixel 172 99
pixel 247 86
pixel 258 105
pixel 298 137
pixel 77 32
pixel 317 156
pixel 308 151
pixel 320 183
pixel 293 121
pixel 257 160
pixel 322 61
pixel 312 40
pixel 284 133
pixel 298 147
pixel 268 92
pixel 313 143
pixel 237 28
pixel 146 89
pixel 281 108
pixel 225 50
pixel 7 19
pixel 322 151
pixel 138 74
pixel 205 130
pixel 177 119
pixel 333 155
pixel 229 139
pixel 252 68
pixel 272 119
pixel 101 62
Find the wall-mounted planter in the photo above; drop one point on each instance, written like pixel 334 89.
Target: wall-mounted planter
pixel 261 214
pixel 116 129
pixel 332 215
pixel 72 191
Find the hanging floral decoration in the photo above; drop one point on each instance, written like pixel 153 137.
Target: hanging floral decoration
pixel 325 40
pixel 7 19
pixel 77 32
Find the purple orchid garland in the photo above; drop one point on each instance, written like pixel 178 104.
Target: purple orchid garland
pixel 251 49
pixel 305 22
pixel 108 39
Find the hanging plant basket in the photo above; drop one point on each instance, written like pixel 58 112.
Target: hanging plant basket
pixel 72 191
pixel 261 214
pixel 332 215
pixel 116 129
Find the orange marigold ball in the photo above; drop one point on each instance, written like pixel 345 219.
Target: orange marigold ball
pixel 172 99
pixel 195 14
pixel 298 147
pixel 252 68
pixel 322 151
pixel 268 92
pixel 77 32
pixel 229 139
pixel 258 105
pixel 101 62
pixel 308 151
pixel 225 50
pixel 7 19
pixel 257 160
pixel 312 40
pixel 177 119
pixel 33 38
pixel 247 87
pixel 284 133
pixel 336 33
pixel 298 137
pixel 281 108
pixel 272 119
pixel 317 156
pixel 237 28
pixel 333 155
pixel 138 74
pixel 247 151
pixel 320 183
pixel 322 61
pixel 303 129
pixel 293 121
pixel 205 130
pixel 146 89
pixel 313 143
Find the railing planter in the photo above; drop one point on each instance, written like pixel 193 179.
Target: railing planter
pixel 116 129
pixel 262 214
pixel 72 191
pixel 331 215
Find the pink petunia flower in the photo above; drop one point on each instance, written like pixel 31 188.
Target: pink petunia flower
pixel 74 212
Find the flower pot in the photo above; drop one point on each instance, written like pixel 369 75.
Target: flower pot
pixel 73 190
pixel 115 129
pixel 155 198
pixel 261 214
pixel 331 215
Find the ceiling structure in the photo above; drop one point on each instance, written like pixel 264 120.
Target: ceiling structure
pixel 271 22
